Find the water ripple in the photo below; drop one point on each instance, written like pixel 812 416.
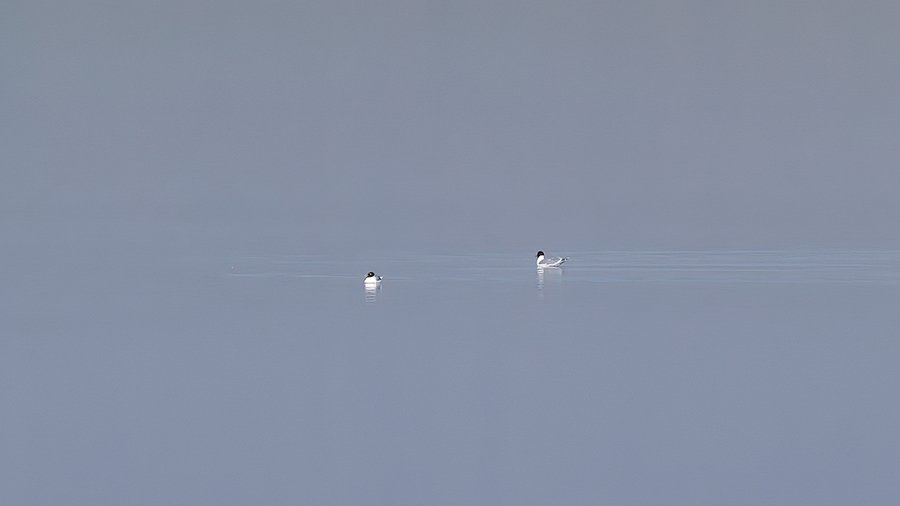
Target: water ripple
pixel 844 266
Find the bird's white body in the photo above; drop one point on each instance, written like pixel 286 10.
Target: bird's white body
pixel 372 279
pixel 544 261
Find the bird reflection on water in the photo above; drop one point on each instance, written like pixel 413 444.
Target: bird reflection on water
pixel 372 293
pixel 372 284
pixel 548 278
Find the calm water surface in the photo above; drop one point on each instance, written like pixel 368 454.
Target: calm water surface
pixel 622 378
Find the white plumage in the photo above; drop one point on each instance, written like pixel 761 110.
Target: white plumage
pixel 543 261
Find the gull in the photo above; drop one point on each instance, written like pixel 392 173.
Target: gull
pixel 543 261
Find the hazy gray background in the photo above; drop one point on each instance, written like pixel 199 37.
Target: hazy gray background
pixel 581 126
pixel 191 193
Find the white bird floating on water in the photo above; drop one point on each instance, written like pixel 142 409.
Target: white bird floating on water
pixel 543 261
pixel 372 279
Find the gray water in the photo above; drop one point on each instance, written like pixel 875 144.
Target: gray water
pixel 176 179
pixel 712 377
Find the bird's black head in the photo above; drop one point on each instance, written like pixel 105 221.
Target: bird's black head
pixel 540 253
pixel 371 274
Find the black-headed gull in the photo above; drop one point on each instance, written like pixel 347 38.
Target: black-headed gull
pixel 543 261
pixel 372 279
